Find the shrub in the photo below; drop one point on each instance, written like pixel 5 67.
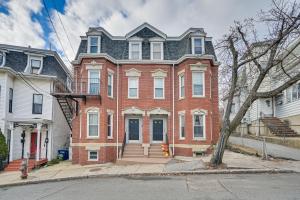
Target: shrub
pixel 3 147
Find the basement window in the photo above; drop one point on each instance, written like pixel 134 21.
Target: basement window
pixel 92 155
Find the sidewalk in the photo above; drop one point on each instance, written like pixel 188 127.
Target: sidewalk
pixel 274 150
pixel 236 163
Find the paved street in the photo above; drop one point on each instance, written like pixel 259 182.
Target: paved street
pixel 272 149
pixel 262 186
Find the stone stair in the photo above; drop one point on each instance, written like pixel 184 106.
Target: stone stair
pixel 133 150
pixel 155 151
pixel 278 128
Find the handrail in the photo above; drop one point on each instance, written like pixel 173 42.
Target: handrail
pixel 123 144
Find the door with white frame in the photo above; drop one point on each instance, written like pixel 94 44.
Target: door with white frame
pixel 133 127
pixel 158 129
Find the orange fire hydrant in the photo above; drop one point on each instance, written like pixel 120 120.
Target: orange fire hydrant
pixel 24 169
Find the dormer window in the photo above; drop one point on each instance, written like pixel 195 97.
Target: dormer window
pixel 94 44
pixel 156 51
pixel 35 65
pixel 135 50
pixel 197 45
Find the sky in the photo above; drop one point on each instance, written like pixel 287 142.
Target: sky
pixel 26 22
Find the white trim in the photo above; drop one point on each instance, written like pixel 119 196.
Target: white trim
pixel 30 57
pixel 163 87
pixel 130 49
pixel 133 72
pixel 145 25
pixel 204 127
pixel 181 72
pixel 198 67
pixel 158 111
pixel 166 62
pixel 4 58
pixel 182 75
pixel 159 73
pixel 111 125
pixel 112 84
pixel 89 155
pixel 88 117
pixel 203 83
pixel 137 87
pixel 161 50
pixel 193 45
pixel 98 45
pixel 180 124
pixel 133 111
pixel 89 78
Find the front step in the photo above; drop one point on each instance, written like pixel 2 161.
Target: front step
pixel 279 128
pixel 155 151
pixel 133 150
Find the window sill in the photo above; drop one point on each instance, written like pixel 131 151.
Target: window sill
pixel 195 96
pixel 110 97
pixel 92 138
pixel 199 139
pixel 92 160
pixel 159 98
pixel 133 98
pixel 181 138
pixel 181 98
pixel 110 138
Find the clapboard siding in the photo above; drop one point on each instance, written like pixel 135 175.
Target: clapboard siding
pixel 23 98
pixel 288 109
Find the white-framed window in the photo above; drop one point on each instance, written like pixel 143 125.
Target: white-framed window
pixel 157 52
pixel 159 88
pixel 181 126
pixel 292 93
pixel 92 155
pixel 35 64
pixel 37 104
pixel 110 85
pixel 2 58
pixel 94 81
pixel 199 126
pixel 181 86
pixel 93 124
pixel 197 45
pixel 110 118
pixel 133 87
pixel 94 44
pixel 198 83
pixel 135 50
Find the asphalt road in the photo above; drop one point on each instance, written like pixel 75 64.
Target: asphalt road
pixel 255 186
pixel 274 150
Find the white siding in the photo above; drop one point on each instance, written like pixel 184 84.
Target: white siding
pixel 60 131
pixel 23 97
pixel 288 109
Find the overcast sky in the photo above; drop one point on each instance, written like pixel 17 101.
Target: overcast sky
pixel 25 22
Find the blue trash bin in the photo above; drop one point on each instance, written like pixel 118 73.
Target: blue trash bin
pixel 64 154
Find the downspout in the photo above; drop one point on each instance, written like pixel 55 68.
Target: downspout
pixel 118 111
pixel 173 112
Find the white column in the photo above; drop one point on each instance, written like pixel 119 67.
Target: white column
pixel 11 148
pixel 38 147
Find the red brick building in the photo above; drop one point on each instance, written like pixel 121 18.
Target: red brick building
pixel 141 90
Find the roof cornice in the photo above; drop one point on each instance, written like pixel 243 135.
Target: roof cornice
pixel 113 60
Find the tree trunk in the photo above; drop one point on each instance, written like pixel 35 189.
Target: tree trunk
pixel 220 148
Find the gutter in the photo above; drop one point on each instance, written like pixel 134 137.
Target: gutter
pixel 118 66
pixel 173 110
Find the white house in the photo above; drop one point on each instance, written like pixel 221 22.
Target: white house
pixel 30 117
pixel 284 107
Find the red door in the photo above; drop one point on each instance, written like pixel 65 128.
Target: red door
pixel 33 145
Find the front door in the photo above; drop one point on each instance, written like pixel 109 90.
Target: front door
pixel 133 130
pixel 157 130
pixel 33 145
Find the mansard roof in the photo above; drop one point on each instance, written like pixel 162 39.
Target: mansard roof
pixel 117 47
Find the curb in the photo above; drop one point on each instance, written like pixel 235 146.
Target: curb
pixel 179 173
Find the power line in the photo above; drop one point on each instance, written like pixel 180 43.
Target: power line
pixel 63 26
pixel 55 31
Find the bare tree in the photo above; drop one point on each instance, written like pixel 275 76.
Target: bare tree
pixel 282 23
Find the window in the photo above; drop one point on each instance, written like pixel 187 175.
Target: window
pixel 110 126
pixel 94 82
pixel 2 55
pixel 135 50
pixel 10 100
pixel 181 86
pixel 35 66
pixel 198 123
pixel 94 44
pixel 93 155
pixel 296 92
pixel 181 126
pixel 37 104
pixel 156 51
pixel 110 80
pixel 197 46
pixel 198 84
pixel 159 88
pixel 288 94
pixel 133 85
pixel 93 124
